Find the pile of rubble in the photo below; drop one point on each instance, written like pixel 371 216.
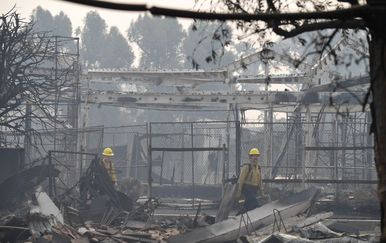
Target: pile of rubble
pixel 94 211
pixel 316 228
pixel 41 228
pixel 288 219
pixel 91 211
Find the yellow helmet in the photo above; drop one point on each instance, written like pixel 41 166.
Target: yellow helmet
pixel 108 152
pixel 254 151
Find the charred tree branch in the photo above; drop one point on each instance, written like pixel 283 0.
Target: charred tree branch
pixel 342 14
pixel 335 24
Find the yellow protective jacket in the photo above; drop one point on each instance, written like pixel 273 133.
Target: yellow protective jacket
pixel 109 165
pixel 250 174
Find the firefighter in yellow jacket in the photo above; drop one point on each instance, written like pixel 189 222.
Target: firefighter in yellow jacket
pixel 108 164
pixel 249 182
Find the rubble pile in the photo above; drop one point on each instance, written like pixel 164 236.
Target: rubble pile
pixel 95 211
pixel 317 231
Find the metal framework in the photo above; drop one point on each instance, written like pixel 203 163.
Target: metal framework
pixel 322 139
pixel 300 155
pixel 63 68
pixel 314 143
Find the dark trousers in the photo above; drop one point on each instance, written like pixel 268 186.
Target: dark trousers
pixel 250 193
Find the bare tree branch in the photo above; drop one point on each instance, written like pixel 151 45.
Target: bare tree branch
pixel 28 76
pixel 335 24
pixel 341 14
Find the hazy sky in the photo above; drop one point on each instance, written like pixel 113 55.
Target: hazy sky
pixel 76 12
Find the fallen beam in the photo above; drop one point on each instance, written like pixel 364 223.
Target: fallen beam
pixel 231 229
pixel 313 219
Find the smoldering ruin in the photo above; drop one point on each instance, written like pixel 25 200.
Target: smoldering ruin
pixel 175 167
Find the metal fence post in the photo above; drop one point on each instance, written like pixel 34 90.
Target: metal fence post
pixel 369 154
pixel 49 174
pixel 162 167
pixel 150 163
pixel 223 164
pixel 192 141
pixel 27 136
pixel 238 147
pixel 182 157
pixel 334 154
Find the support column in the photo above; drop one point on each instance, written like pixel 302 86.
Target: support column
pixel 307 143
pixel 182 166
pixel 369 153
pixel 268 139
pixel 76 109
pixel 354 140
pixel 150 164
pixel 238 147
pixel 228 135
pixel 334 153
pixel 344 129
pixel 27 135
pixel 193 163
pixel 298 143
pixel 83 137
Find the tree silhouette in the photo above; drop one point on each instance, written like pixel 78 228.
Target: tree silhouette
pixel 27 76
pixel 93 39
pixel 43 19
pixel 117 52
pixel 159 39
pixel 58 25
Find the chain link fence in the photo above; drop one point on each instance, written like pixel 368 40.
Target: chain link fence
pixel 129 144
pixel 340 149
pixel 205 153
pixel 192 152
pixel 60 149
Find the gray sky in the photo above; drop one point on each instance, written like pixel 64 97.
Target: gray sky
pixel 76 12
